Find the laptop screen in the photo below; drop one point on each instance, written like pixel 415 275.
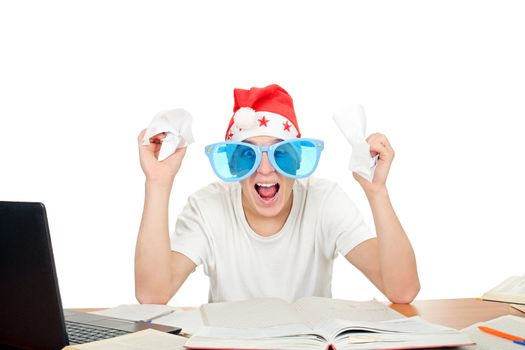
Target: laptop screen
pixel 31 314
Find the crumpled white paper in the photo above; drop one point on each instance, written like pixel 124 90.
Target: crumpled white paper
pixel 351 120
pixel 176 123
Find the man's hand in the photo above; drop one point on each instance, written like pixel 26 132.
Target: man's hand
pixel 159 172
pixel 379 145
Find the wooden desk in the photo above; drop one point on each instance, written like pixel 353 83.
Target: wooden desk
pixel 455 313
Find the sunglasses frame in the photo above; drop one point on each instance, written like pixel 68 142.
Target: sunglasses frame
pixel 210 150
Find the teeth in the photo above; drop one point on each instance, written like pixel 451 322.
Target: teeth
pixel 266 185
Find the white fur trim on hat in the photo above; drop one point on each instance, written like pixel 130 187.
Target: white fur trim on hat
pixel 245 118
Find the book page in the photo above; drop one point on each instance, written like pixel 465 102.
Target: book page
pixel 290 330
pixel 189 320
pixel 456 340
pixel 317 309
pixel 510 324
pixel 148 339
pixel 253 313
pixel 409 325
pixel 510 290
pixel 399 333
pixel 137 312
pixel 282 343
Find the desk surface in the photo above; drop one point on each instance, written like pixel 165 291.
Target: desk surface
pixel 455 313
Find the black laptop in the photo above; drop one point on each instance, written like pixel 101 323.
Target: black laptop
pixel 31 314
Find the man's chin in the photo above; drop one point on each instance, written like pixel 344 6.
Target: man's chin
pixel 268 212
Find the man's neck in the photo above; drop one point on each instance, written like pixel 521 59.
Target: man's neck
pixel 267 226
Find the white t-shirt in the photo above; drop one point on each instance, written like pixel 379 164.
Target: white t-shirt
pixel 295 262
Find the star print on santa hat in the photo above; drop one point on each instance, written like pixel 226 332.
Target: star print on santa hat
pixel 263 121
pixel 261 112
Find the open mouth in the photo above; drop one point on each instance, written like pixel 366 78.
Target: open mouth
pixel 267 191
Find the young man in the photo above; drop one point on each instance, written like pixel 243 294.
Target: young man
pixel 269 230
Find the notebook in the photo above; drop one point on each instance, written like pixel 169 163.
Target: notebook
pixel 31 314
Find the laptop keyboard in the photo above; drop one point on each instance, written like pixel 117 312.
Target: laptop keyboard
pixel 79 333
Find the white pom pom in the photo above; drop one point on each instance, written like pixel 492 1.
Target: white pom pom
pixel 245 118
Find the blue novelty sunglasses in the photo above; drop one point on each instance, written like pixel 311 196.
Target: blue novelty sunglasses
pixel 235 161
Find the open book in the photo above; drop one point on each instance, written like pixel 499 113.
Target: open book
pixel 316 323
pixel 512 290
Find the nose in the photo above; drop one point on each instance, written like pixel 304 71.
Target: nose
pixel 265 167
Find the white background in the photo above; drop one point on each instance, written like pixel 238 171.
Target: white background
pixel 445 81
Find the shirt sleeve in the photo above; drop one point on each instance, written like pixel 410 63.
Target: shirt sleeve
pixel 342 222
pixel 190 236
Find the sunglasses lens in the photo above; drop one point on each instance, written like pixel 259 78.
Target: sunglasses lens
pixel 297 158
pixel 232 161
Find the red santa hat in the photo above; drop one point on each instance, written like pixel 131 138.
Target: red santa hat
pixel 266 111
